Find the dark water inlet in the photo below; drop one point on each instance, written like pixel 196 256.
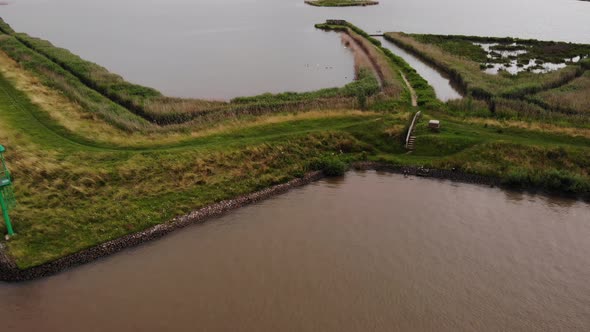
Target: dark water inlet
pixel 368 252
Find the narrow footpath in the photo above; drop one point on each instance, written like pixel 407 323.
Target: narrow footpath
pixel 412 91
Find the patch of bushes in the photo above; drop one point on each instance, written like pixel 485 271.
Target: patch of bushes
pixel 468 106
pixel 329 165
pixel 366 83
pixel 526 110
pixel 554 180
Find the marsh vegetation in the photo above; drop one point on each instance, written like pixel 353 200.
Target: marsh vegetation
pixel 562 90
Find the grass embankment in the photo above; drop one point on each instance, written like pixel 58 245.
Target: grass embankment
pixel 425 93
pixel 55 77
pixel 85 83
pixel 75 191
pixel 538 158
pixel 341 3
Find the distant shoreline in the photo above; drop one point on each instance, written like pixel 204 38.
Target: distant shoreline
pixel 340 3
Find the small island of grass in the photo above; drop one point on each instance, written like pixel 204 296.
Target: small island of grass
pixel 341 3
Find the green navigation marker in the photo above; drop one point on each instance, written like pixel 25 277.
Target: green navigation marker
pixel 7 201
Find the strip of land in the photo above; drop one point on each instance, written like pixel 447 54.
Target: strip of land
pixel 133 107
pixel 91 167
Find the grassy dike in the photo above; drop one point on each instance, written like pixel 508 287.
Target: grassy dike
pixel 89 84
pixel 76 189
pixel 426 94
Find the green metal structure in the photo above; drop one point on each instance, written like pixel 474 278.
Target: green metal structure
pixel 7 201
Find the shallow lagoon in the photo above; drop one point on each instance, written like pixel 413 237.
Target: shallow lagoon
pixel 224 49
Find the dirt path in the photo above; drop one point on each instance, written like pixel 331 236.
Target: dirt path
pixel 412 91
pixel 362 58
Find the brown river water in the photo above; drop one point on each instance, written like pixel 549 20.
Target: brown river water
pixel 366 252
pixel 223 49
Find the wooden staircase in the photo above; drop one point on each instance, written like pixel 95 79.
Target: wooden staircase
pixel 411 143
pixel 410 138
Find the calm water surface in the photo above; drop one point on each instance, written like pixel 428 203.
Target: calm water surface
pixel 222 49
pixel 369 252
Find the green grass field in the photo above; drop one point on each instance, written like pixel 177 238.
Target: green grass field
pixel 82 177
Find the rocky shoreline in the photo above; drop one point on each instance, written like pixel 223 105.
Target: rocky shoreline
pixel 10 272
pixel 453 175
